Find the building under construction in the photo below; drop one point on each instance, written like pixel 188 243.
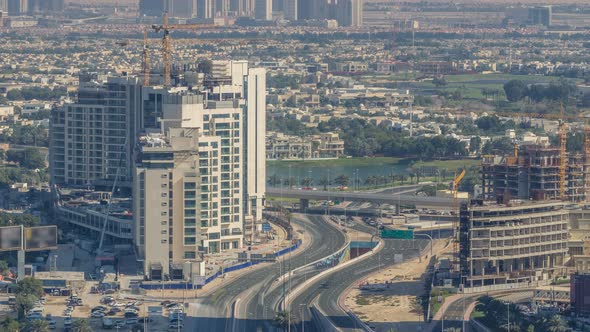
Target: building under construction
pixel 535 173
pixel 520 244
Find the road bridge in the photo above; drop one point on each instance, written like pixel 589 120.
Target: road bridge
pixel 382 198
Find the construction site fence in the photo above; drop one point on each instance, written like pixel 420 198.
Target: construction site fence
pixel 188 285
pixel 481 289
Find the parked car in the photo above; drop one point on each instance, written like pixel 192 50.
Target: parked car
pixel 99 308
pixel 178 325
pixel 97 314
pixel 130 314
pixel 131 321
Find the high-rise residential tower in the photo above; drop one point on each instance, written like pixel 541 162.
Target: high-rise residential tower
pixel 263 10
pixel 290 9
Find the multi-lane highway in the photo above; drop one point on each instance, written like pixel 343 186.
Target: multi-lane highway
pixel 214 312
pixel 260 308
pixel 328 289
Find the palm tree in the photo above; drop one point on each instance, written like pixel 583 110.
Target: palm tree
pixel 37 325
pixel 556 324
pixel 307 182
pixel 81 325
pixel 274 180
pixel 9 325
pixel 282 319
pixel 324 182
pixel 342 180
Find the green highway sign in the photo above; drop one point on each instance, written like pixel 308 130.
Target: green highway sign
pixel 397 234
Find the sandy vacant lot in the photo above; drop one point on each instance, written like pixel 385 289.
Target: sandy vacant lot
pixel 392 303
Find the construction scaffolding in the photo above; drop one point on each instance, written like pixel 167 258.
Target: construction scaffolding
pixel 538 173
pixel 521 244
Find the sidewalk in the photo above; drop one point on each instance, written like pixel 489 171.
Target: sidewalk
pixel 230 276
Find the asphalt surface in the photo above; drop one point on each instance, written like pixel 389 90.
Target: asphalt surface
pixel 362 196
pixel 453 316
pixel 213 313
pixel 260 308
pixel 328 289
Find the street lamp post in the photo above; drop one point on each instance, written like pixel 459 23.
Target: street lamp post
pixel 301 306
pixel 430 238
pixel 508 310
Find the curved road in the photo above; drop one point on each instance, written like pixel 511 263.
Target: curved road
pixel 261 307
pixel 213 312
pixel 329 289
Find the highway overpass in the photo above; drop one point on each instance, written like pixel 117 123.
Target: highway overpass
pixel 382 198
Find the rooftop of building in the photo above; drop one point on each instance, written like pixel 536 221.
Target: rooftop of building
pixel 60 275
pixel 84 200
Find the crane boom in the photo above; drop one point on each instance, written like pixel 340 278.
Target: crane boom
pixel 166 42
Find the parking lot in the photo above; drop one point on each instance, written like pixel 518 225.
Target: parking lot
pixel 121 314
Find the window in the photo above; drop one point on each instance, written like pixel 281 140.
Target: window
pixel 191 254
pixel 164 222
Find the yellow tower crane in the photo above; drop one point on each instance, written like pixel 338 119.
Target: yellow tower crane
pixel 166 42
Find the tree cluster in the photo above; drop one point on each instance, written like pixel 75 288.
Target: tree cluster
pixel 361 138
pixel 496 317
pixel 29 158
pixel 39 93
pixel 11 175
pixel 26 135
pixel 561 90
pixel 16 219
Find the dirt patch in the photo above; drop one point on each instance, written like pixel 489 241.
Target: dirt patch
pixel 393 298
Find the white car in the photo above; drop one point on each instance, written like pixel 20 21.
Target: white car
pixel 67 321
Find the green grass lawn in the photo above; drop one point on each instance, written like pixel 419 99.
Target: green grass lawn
pixel 435 305
pixel 471 85
pixel 477 314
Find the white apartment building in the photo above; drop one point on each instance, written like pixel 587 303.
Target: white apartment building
pixel 187 195
pixel 223 162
